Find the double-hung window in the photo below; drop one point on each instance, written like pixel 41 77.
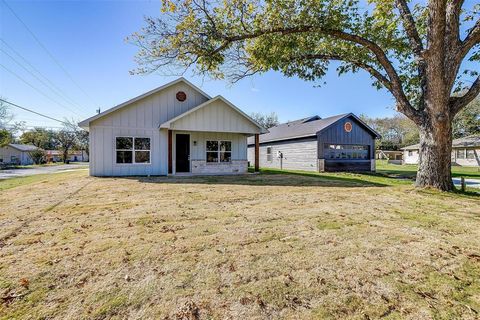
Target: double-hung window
pixel 460 153
pixel 219 151
pixel 269 154
pixel 132 150
pixel 470 154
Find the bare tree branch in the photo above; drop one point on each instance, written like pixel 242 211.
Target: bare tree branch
pixel 331 57
pixel 472 39
pixel 457 103
pixel 410 28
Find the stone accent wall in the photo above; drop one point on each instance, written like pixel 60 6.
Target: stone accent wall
pixel 234 167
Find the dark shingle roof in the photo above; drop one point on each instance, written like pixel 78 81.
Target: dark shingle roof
pixel 23 147
pixel 470 141
pixel 305 127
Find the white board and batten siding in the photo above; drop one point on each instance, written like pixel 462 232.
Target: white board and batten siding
pixel 215 116
pixel 139 119
pixel 297 155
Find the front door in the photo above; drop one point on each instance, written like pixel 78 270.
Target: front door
pixel 182 153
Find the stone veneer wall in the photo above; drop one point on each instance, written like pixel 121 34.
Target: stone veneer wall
pixel 236 166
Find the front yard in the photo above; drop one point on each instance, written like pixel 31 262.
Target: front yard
pixel 266 246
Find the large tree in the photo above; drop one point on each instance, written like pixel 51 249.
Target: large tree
pixel 414 51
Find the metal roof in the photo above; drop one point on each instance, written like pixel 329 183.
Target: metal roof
pixel 469 141
pixel 303 128
pixel 23 147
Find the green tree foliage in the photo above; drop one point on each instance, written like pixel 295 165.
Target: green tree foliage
pixel 397 131
pixel 5 137
pixel 40 137
pixel 467 121
pixel 266 120
pixel 38 156
pixel 416 50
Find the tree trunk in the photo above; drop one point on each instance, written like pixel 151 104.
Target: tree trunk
pixel 435 154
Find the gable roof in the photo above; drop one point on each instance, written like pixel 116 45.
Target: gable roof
pixel 306 127
pixel 85 123
pixel 469 141
pixel 167 124
pixel 23 147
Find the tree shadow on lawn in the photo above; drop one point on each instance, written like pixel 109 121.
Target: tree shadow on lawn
pixel 291 179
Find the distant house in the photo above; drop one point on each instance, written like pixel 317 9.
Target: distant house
pixel 16 154
pixel 465 152
pixel 73 156
pixel 393 156
pixel 339 143
pixel 174 129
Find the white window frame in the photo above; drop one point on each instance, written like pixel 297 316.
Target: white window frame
pixel 218 151
pixel 464 153
pixel 269 154
pixel 133 151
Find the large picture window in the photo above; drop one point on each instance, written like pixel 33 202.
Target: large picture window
pixel 132 150
pixel 219 151
pixel 346 151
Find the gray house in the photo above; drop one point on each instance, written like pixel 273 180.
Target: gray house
pixel 176 128
pixel 465 152
pixel 339 143
pixel 18 154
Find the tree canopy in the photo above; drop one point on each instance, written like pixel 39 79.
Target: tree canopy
pixel 423 53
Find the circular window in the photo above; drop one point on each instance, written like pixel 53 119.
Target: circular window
pixel 181 96
pixel 348 127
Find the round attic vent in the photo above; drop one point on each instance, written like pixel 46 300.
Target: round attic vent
pixel 181 96
pixel 348 126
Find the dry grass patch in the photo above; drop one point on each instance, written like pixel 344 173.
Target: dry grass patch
pixel 253 247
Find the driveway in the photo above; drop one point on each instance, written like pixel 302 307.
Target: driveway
pixel 472 183
pixel 12 173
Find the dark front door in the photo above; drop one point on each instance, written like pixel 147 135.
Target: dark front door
pixel 182 153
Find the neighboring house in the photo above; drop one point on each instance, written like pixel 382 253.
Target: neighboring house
pixel 17 154
pixel 73 156
pixel 392 156
pixel 465 152
pixel 176 128
pixel 338 143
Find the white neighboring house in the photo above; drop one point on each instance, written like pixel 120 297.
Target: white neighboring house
pixel 73 156
pixel 17 154
pixel 465 152
pixel 176 128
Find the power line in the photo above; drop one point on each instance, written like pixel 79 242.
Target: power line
pixel 49 53
pixel 60 91
pixel 39 91
pixel 32 111
pixel 31 73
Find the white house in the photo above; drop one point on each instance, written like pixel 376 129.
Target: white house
pixel 18 154
pixel 465 152
pixel 74 156
pixel 176 128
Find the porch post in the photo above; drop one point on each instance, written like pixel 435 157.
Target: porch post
pixel 170 171
pixel 257 153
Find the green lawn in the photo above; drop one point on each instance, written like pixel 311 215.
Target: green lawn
pixel 410 170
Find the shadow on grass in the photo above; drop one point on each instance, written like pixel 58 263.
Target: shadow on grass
pixel 269 178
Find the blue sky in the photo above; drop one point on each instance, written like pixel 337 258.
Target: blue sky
pixel 87 39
